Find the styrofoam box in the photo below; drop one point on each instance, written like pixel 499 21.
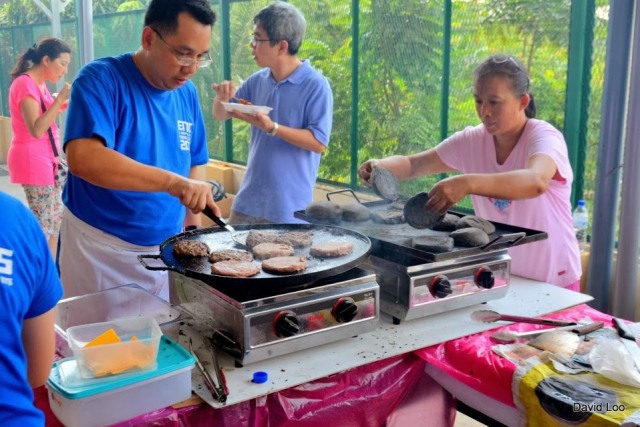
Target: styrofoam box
pixel 100 402
pixel 127 355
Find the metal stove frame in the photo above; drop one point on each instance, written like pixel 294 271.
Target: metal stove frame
pixel 406 283
pixel 245 329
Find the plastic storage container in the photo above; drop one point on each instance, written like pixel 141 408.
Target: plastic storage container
pixel 82 402
pixel 137 350
pixel 118 302
pixel 114 303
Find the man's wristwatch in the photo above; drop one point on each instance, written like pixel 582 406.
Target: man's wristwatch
pixel 273 130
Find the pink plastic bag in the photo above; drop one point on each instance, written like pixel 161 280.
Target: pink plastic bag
pixel 470 359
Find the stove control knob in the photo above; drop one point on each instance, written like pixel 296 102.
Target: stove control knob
pixel 484 278
pixel 286 324
pixel 344 310
pixel 440 287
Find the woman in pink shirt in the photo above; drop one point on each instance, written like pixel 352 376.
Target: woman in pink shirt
pixel 33 110
pixel 515 168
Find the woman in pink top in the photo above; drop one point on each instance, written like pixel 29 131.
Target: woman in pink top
pixel 31 158
pixel 515 168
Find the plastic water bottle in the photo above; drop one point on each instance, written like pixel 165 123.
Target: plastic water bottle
pixel 580 224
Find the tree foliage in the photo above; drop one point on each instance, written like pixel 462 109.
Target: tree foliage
pixel 399 66
pixel 23 12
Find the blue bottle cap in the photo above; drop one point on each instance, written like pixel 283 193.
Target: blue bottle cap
pixel 260 377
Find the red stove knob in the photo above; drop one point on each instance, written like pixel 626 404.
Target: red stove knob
pixel 440 287
pixel 484 278
pixel 344 310
pixel 286 324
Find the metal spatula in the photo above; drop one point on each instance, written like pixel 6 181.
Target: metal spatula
pixel 492 316
pixel 223 224
pixel 512 336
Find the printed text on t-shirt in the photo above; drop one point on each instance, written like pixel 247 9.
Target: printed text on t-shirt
pixel 184 133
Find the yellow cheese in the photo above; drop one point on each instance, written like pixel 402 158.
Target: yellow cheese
pixel 110 360
pixel 108 337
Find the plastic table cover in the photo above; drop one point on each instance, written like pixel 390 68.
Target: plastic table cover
pixel 471 361
pixel 363 396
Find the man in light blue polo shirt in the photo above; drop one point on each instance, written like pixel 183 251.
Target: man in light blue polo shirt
pixel 287 143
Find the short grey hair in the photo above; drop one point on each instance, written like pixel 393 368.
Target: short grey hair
pixel 282 21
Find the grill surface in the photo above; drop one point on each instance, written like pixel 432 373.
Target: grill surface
pixel 398 237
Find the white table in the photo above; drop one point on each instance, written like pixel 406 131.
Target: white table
pixel 525 297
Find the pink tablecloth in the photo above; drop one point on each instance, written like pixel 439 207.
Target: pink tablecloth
pixel 471 361
pixel 363 396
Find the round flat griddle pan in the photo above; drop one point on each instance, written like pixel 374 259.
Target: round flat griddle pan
pixel 219 239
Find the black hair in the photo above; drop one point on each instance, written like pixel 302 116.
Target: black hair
pixel 514 71
pixel 51 47
pixel 282 21
pixel 163 14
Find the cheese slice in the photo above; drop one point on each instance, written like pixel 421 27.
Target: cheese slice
pixel 107 337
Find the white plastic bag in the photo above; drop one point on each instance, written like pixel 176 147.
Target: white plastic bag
pixel 610 358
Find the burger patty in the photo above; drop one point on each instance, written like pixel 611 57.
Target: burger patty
pixel 388 216
pixel 255 237
pixel 235 268
pixel 384 183
pixel 447 223
pixel 476 222
pixel 416 213
pixel 436 244
pixel 270 250
pixel 194 248
pixel 284 264
pixel 355 212
pixel 230 255
pixel 324 210
pixel 297 239
pixel 469 237
pixel 331 249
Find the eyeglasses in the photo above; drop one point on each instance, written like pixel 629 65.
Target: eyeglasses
pixel 184 60
pixel 504 59
pixel 501 59
pixel 254 41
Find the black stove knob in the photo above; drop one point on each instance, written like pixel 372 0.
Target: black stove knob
pixel 344 310
pixel 286 324
pixel 484 278
pixel 440 287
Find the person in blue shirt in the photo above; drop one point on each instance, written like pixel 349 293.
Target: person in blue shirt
pixel 135 142
pixel 29 290
pixel 286 144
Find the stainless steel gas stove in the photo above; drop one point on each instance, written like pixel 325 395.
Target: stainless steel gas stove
pixel 411 288
pixel 254 329
pixel 416 283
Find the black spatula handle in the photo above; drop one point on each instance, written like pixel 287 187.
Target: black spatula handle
pixel 215 218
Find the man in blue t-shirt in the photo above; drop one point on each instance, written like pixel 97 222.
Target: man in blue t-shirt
pixel 29 290
pixel 135 140
pixel 287 143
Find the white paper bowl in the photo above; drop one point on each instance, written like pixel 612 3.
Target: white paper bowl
pixel 248 109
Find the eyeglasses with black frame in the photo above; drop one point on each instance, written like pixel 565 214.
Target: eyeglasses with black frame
pixel 254 41
pixel 184 60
